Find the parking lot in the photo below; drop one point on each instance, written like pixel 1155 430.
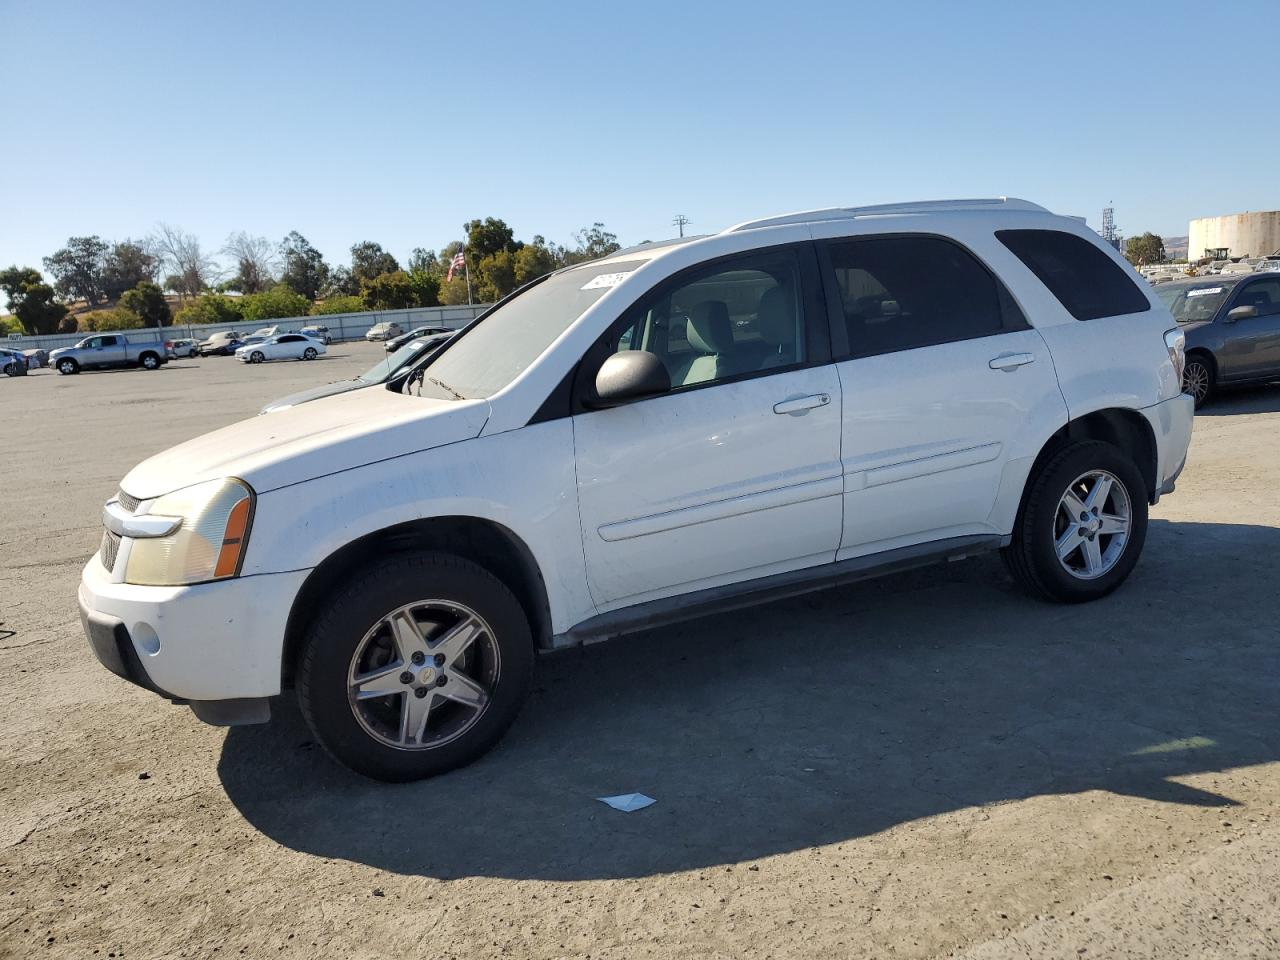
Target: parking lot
pixel 927 765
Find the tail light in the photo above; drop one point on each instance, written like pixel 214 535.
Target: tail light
pixel 1176 341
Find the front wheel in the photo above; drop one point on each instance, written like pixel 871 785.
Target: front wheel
pixel 1197 380
pixel 1081 526
pixel 68 367
pixel 256 357
pixel 417 667
pixel 309 353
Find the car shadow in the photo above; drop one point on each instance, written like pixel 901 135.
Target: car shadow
pixel 820 719
pixel 1229 402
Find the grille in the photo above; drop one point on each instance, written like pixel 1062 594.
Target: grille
pixel 110 547
pixel 128 502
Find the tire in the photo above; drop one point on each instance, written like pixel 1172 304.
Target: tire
pixel 256 357
pixel 68 367
pixel 309 353
pixel 353 625
pixel 149 361
pixel 192 354
pixel 1032 556
pixel 1197 379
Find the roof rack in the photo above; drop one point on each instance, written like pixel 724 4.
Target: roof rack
pixel 891 209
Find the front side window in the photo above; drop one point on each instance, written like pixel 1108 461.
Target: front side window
pixel 497 349
pixel 902 292
pixel 1084 279
pixel 1263 295
pixel 733 319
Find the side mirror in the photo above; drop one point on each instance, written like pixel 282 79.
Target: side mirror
pixel 1241 313
pixel 630 375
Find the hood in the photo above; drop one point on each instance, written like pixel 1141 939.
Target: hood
pixel 315 393
pixel 312 440
pixel 1194 325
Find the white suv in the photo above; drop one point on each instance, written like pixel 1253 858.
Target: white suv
pixel 680 428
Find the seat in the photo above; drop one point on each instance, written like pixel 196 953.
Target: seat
pixel 776 321
pixel 710 335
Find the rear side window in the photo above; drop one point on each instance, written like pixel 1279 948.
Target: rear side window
pixel 902 292
pixel 1083 278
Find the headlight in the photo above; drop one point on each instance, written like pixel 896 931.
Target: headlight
pixel 209 545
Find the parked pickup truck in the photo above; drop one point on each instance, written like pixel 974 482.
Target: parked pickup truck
pixel 109 350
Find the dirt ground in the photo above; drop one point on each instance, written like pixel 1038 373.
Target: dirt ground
pixel 925 766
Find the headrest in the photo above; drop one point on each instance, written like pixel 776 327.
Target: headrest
pixel 776 317
pixel 709 330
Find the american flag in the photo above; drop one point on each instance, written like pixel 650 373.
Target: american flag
pixel 456 263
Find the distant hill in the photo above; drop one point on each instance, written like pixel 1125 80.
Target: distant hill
pixel 1175 248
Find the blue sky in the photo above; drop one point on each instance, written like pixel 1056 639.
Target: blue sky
pixel 396 122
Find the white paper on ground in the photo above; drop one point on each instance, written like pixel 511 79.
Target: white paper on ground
pixel 628 802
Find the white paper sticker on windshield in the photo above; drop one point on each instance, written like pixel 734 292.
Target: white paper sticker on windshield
pixel 1203 291
pixel 606 280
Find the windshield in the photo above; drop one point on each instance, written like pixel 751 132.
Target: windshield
pixel 1191 303
pixel 502 346
pixel 384 370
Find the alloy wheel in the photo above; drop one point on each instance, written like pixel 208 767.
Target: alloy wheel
pixel 1091 525
pixel 423 675
pixel 1195 381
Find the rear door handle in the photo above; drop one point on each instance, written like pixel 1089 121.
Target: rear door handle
pixel 1011 361
pixel 802 405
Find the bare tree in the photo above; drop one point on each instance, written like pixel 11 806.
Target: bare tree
pixel 255 259
pixel 190 269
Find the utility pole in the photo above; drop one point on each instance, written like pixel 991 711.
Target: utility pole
pixel 681 221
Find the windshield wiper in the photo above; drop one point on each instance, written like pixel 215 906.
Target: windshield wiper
pixel 444 386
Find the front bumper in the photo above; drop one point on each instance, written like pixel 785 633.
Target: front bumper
pixel 209 645
pixel 1171 422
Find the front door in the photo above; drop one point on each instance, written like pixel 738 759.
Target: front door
pixel 735 473
pixel 939 374
pixel 1253 344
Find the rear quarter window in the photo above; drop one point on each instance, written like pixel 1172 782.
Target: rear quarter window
pixel 1084 279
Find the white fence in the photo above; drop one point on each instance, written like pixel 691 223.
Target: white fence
pixel 342 326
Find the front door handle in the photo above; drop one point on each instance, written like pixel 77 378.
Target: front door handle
pixel 802 405
pixel 1011 361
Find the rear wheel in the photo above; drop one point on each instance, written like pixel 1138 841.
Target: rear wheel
pixel 309 353
pixel 149 361
pixel 68 367
pixel 1197 379
pixel 1081 526
pixel 418 667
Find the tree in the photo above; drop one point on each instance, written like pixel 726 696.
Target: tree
pixel 425 261
pixel 78 269
pixel 97 321
pixel 147 302
pixel 342 304
pixel 280 301
pixel 304 268
pixel 494 276
pixel 128 264
pixel 31 300
pixel 1145 249
pixel 369 260
pixel 453 292
pixel 255 259
pixel 593 242
pixel 391 291
pixel 191 270
pixel 209 308
pixel 341 283
pixel 488 237
pixel 426 288
pixel 535 259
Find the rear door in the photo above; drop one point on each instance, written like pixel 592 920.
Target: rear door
pixel 735 473
pixel 939 371
pixel 287 347
pixel 1253 345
